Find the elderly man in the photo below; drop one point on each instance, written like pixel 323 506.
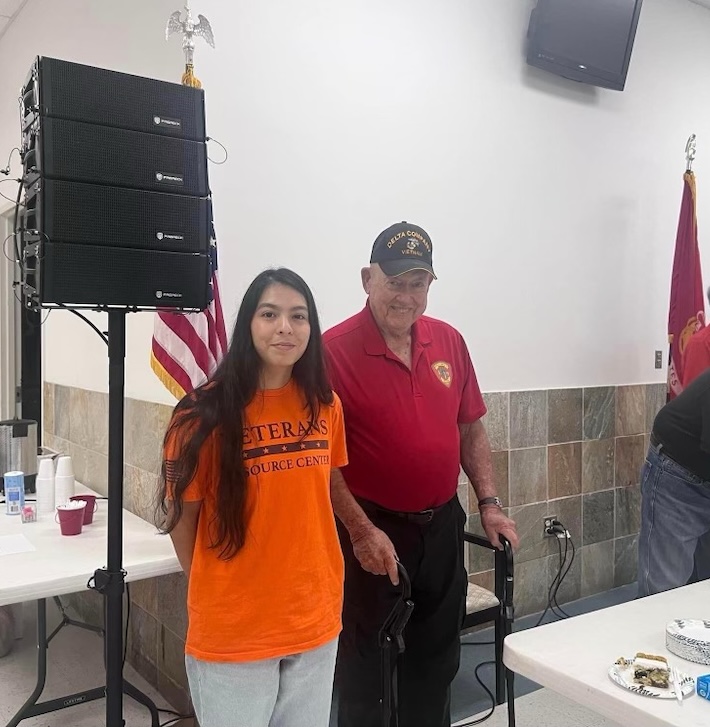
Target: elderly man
pixel 413 417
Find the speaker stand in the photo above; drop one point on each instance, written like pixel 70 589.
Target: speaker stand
pixel 110 581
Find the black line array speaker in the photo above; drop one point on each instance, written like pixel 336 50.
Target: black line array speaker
pixel 107 98
pixel 116 216
pixel 79 152
pixel 117 208
pixel 114 275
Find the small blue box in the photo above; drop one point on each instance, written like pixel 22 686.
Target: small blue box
pixel 14 492
pixel 702 686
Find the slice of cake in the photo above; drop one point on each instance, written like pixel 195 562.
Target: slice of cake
pixel 651 670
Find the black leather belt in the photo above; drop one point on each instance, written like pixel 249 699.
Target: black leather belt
pixel 422 517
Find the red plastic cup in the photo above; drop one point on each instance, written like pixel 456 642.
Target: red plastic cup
pixel 71 521
pixel 91 507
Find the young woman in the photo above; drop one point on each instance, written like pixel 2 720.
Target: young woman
pixel 246 500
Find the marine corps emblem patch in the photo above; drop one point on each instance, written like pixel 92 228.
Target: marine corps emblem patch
pixel 442 369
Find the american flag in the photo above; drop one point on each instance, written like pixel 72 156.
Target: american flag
pixel 187 347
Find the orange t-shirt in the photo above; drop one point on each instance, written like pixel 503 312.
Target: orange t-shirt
pixel 282 593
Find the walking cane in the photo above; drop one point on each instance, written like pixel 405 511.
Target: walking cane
pixel 390 639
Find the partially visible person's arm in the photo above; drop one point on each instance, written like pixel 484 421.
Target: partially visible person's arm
pixel 696 358
pixel 371 546
pixel 184 533
pixel 477 464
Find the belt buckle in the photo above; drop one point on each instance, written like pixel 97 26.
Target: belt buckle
pixel 427 515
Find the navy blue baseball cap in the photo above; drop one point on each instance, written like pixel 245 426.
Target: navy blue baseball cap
pixel 403 247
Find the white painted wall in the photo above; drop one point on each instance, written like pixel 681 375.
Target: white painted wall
pixel 552 206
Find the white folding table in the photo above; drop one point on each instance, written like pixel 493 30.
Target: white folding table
pixel 58 565
pixel 572 657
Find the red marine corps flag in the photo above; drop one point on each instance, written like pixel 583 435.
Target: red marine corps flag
pixel 687 304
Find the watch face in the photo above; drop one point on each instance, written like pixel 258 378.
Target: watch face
pixel 491 501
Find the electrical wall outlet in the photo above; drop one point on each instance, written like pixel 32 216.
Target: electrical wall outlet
pixel 549 519
pixel 659 359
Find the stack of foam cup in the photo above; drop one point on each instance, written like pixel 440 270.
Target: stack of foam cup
pixel 46 501
pixel 64 480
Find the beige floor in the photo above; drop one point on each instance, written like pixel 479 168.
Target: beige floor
pixel 545 708
pixel 75 663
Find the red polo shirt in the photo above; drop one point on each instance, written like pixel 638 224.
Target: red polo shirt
pixel 402 426
pixel 696 357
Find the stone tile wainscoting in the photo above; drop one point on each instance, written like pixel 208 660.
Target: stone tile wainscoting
pixel 574 453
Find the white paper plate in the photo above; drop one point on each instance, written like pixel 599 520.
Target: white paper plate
pixel 689 639
pixel 624 677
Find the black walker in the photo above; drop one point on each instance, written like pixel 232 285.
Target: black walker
pixel 392 645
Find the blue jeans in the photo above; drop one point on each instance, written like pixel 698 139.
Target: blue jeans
pixel 291 691
pixel 675 515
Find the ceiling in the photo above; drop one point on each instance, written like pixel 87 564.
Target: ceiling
pixel 9 10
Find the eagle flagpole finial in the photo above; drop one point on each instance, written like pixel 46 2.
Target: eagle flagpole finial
pixel 188 28
pixel 690 149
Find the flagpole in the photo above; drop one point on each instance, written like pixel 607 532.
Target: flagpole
pixel 187 347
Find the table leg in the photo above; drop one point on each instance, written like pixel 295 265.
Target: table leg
pixel 31 708
pixel 23 712
pixel 68 621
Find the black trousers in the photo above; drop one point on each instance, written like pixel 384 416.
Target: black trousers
pixel 433 557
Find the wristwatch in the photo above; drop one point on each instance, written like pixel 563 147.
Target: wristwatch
pixel 490 501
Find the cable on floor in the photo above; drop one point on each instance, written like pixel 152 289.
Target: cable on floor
pixel 489 714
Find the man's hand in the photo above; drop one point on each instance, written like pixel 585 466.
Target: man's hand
pixel 372 548
pixel 495 522
pixel 375 553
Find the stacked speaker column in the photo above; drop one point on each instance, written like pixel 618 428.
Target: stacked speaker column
pixel 117 208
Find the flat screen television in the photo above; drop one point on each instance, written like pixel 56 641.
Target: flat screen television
pixel 585 40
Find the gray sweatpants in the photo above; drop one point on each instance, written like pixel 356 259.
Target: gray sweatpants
pixel 289 691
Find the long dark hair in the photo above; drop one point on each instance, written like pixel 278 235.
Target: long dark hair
pixel 217 407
